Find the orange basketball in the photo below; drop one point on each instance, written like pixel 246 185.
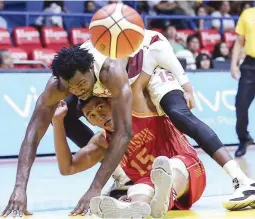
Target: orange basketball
pixel 117 30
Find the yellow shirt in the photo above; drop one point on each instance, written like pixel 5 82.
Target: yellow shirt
pixel 246 27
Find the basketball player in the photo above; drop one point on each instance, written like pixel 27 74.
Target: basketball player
pixel 76 72
pixel 178 181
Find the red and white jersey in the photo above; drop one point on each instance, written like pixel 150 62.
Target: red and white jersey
pixel 134 63
pixel 153 136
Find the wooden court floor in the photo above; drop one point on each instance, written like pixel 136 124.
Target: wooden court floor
pixel 52 196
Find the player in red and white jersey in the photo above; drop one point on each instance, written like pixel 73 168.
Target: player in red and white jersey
pixel 179 181
pixel 155 65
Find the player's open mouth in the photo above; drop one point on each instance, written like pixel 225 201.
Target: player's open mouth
pixel 108 122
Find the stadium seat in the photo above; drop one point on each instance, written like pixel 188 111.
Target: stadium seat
pixel 54 38
pixel 229 38
pixel 45 55
pixel 222 65
pixel 27 38
pixel 209 38
pixel 5 39
pixel 183 34
pixel 18 53
pixel 79 35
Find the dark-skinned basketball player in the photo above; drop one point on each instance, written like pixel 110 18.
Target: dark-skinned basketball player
pixel 80 72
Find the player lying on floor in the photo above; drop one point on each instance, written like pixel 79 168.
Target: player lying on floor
pixel 177 177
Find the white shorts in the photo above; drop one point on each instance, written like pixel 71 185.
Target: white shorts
pixel 166 72
pixel 161 82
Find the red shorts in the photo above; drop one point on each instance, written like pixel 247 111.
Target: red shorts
pixel 197 181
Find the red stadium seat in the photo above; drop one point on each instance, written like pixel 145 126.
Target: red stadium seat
pixel 27 38
pixel 45 55
pixel 229 37
pixel 5 39
pixel 209 38
pixel 54 38
pixel 79 35
pixel 18 54
pixel 183 34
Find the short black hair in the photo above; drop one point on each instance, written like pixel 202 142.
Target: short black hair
pixel 69 60
pixel 191 37
pixel 200 57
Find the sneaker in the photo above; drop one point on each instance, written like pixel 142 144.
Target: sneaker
pixel 107 207
pixel 243 196
pixel 241 150
pixel 161 177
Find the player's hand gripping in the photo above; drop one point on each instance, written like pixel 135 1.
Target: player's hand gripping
pixel 61 111
pixel 17 204
pixel 83 205
pixel 189 99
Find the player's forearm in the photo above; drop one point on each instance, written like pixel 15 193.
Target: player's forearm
pixel 35 131
pixel 26 159
pixel 112 158
pixel 236 51
pixel 63 153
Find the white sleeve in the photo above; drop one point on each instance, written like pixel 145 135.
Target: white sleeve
pixel 161 54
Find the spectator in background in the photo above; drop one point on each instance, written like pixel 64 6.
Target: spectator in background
pixel 193 44
pixel 142 7
pixel 245 5
pixel 187 7
pixel 169 8
pixel 224 9
pixel 6 60
pixel 3 22
pixel 171 35
pixel 90 7
pixel 221 52
pixel 203 61
pixel 55 7
pixel 203 24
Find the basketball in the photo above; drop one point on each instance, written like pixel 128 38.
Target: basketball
pixel 117 30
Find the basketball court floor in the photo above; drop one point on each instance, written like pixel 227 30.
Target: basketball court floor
pixel 51 195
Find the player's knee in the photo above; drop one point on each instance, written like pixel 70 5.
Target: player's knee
pixel 140 189
pixel 179 167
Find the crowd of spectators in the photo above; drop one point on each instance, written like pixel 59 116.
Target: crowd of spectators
pixel 190 48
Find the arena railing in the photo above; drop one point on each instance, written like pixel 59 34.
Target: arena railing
pixel 146 18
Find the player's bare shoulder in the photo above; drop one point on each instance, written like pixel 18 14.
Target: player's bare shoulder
pixel 113 69
pixel 54 91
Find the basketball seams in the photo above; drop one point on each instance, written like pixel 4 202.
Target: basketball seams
pixel 102 33
pixel 118 24
pixel 126 39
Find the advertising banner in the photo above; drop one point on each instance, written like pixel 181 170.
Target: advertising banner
pixel 214 95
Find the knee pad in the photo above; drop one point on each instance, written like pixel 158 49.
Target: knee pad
pixel 141 189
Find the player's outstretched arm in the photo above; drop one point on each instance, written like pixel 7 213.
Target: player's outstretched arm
pixel 114 78
pixel 83 159
pixel 39 122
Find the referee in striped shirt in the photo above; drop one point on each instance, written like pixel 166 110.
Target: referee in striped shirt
pixel 246 88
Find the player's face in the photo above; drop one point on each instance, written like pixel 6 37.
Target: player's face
pixel 81 84
pixel 98 112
